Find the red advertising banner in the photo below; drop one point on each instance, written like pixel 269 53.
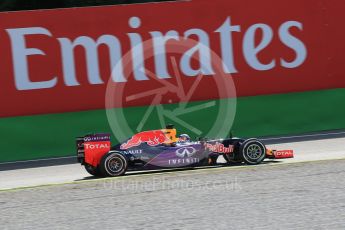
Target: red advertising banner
pixel 63 60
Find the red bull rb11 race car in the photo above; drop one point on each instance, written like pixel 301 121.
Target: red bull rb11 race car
pixel 162 149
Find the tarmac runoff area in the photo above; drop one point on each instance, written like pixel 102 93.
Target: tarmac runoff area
pixel 307 192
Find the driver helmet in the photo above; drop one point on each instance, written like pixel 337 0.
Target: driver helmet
pixel 183 138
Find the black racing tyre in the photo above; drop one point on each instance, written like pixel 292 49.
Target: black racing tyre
pixel 94 171
pixel 113 164
pixel 252 151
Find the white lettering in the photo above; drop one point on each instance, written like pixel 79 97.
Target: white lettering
pixel 255 40
pixel 20 54
pixel 159 42
pixel 250 51
pixel 92 59
pixel 137 50
pixel 292 42
pixel 203 48
pixel 226 43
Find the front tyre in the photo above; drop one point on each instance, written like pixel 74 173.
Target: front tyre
pixel 113 164
pixel 252 151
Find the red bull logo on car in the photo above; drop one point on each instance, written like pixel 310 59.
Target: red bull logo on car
pixel 152 138
pixel 219 148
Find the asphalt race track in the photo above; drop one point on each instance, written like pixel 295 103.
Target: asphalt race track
pixel 306 192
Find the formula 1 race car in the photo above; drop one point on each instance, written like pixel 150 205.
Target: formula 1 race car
pixel 162 149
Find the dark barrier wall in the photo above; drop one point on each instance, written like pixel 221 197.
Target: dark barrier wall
pixel 281 61
pixel 16 5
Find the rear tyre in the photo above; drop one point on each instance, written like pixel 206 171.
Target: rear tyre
pixel 252 152
pixel 94 171
pixel 113 164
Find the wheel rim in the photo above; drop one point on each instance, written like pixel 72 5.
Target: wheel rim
pixel 254 151
pixel 115 165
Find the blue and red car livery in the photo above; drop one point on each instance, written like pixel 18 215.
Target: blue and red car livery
pixel 162 149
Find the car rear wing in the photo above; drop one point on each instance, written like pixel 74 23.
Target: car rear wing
pixel 92 147
pixel 80 149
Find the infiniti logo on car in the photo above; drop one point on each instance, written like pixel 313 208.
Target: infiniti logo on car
pixel 185 152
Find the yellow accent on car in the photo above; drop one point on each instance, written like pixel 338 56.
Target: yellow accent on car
pixel 171 135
